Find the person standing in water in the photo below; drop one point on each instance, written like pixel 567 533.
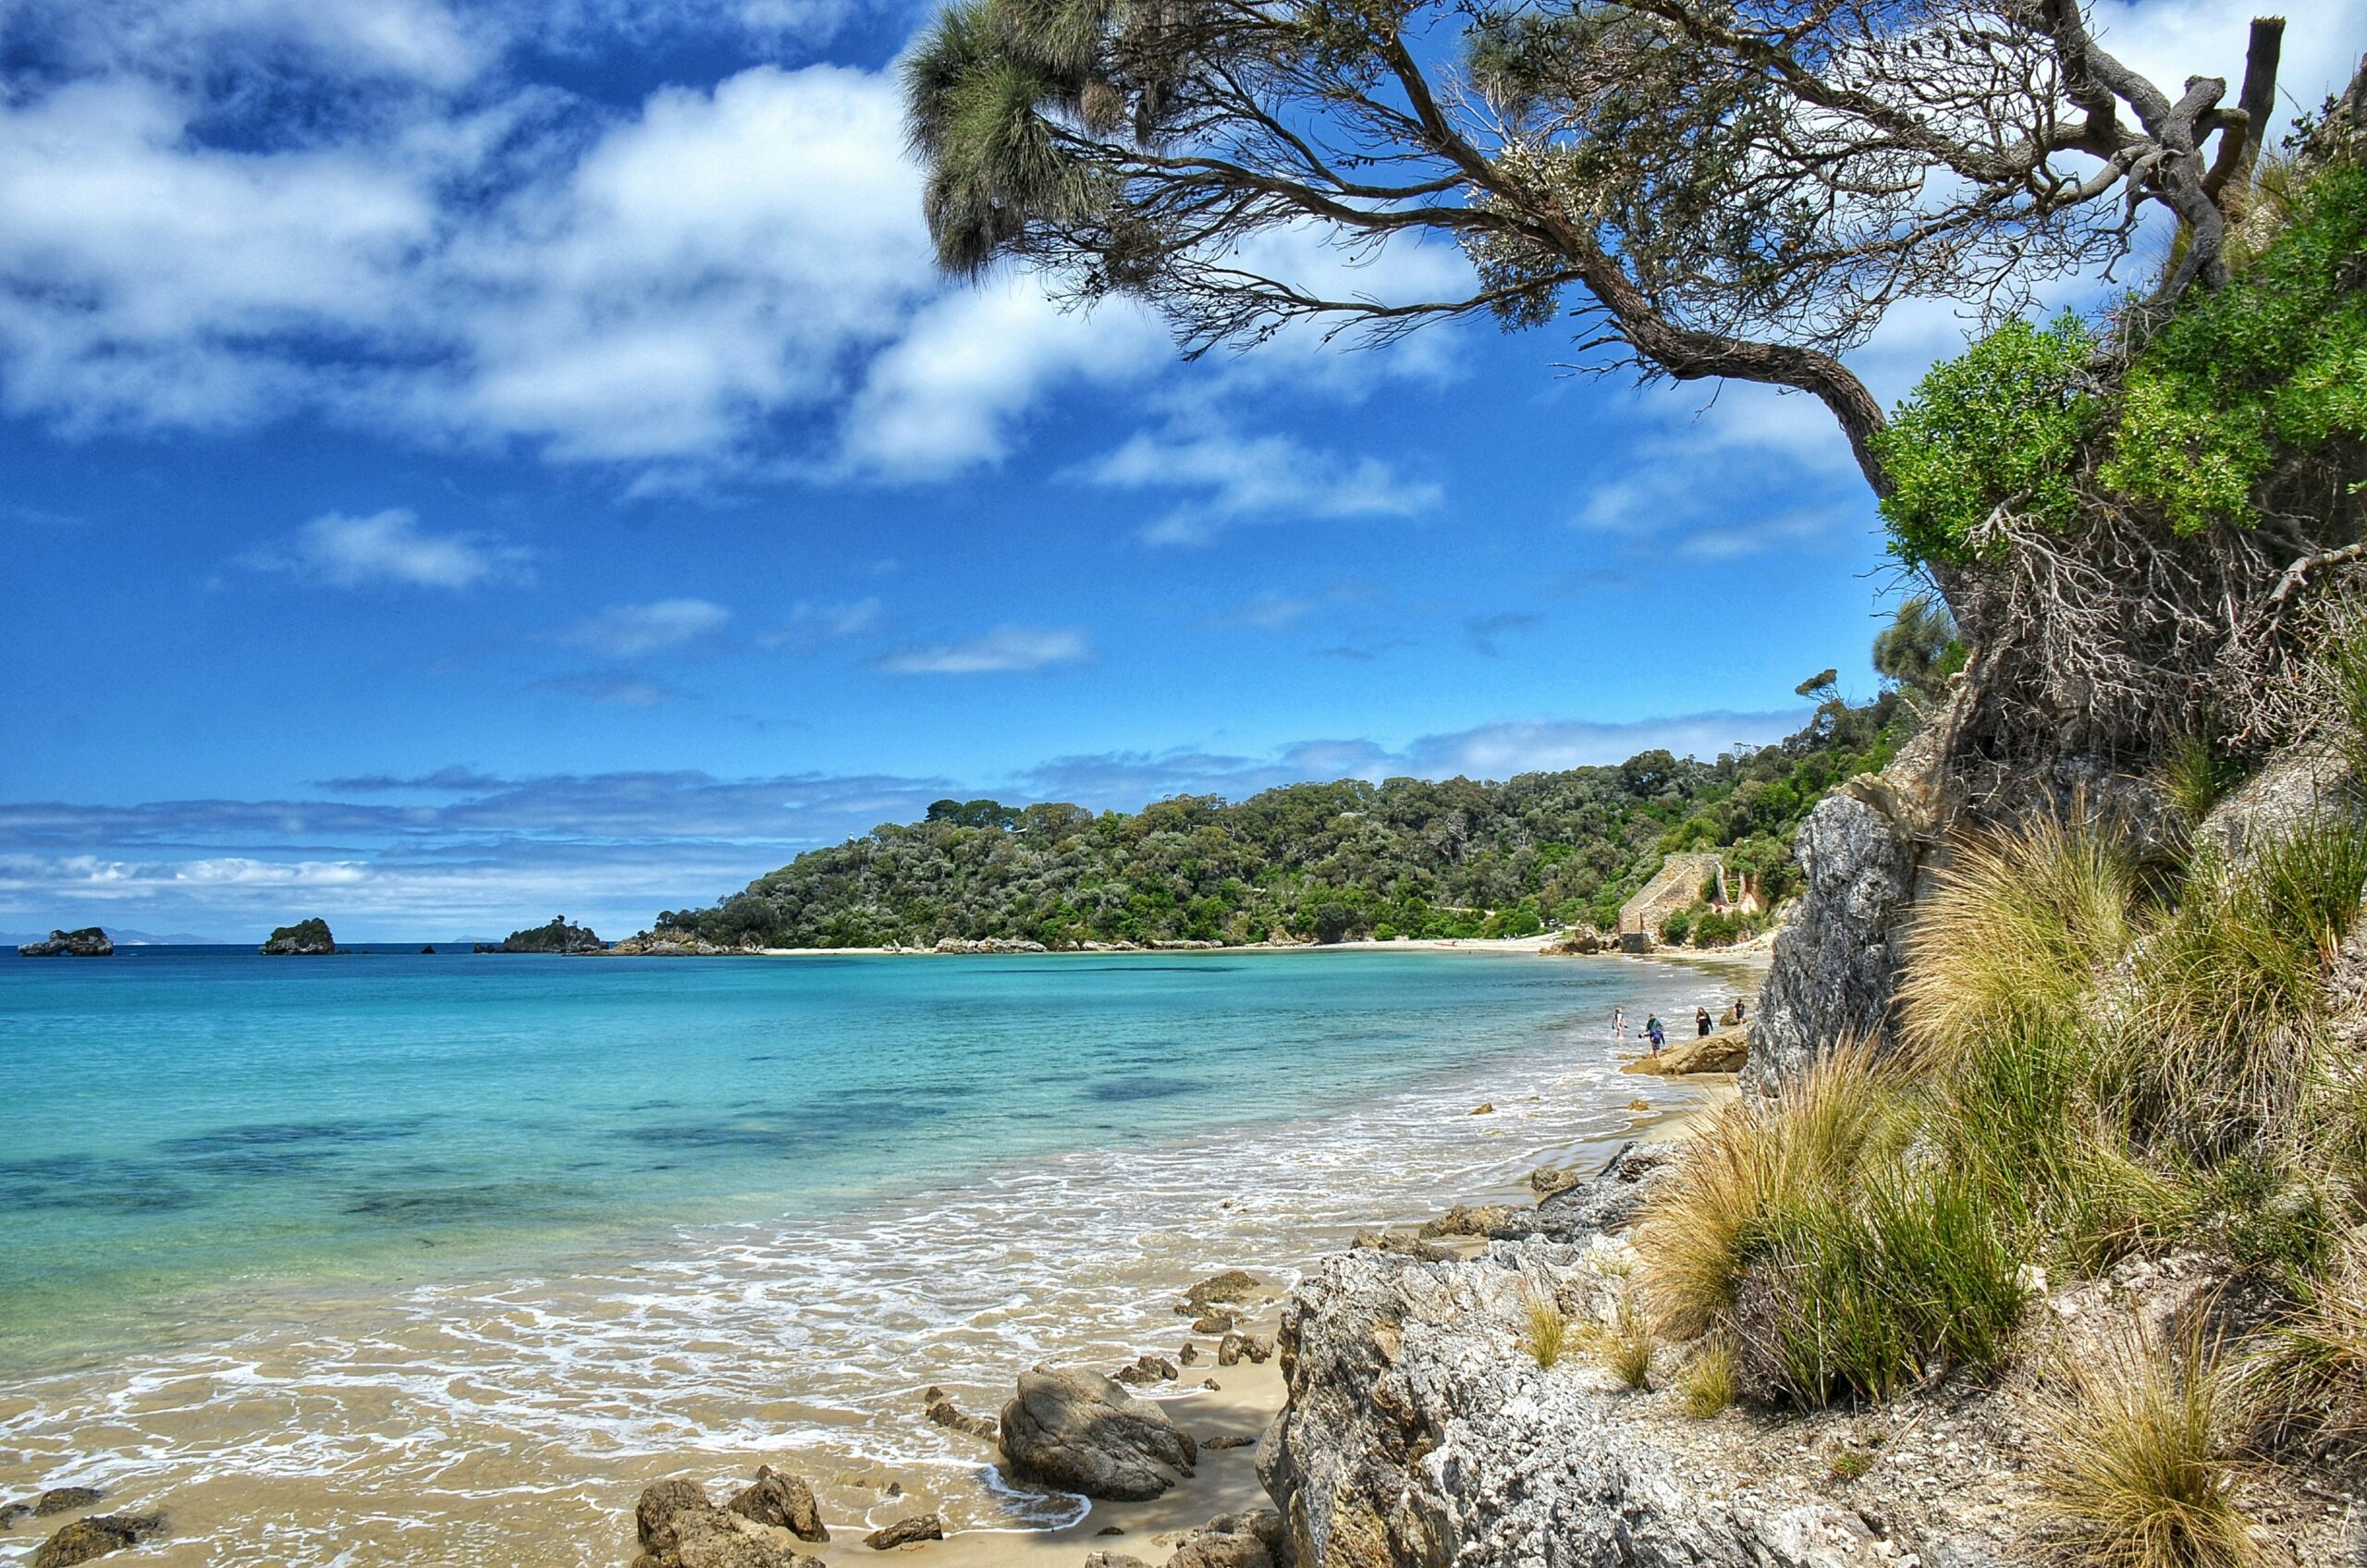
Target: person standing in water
pixel 1619 1023
pixel 1702 1021
pixel 1655 1033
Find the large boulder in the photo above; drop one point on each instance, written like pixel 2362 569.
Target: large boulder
pixel 96 1537
pixel 1836 961
pixel 306 939
pixel 1081 1432
pixel 88 942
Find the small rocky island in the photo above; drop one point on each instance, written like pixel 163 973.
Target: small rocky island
pixel 303 939
pixel 558 937
pixel 88 942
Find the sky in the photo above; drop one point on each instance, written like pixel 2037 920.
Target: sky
pixel 466 463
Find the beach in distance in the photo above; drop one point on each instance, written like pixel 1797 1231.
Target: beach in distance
pixel 410 1250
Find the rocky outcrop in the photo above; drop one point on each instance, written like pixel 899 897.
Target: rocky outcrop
pixel 946 1413
pixel 1255 1540
pixel 781 1500
pixel 668 941
pixel 989 945
pixel 1081 1432
pixel 1836 961
pixel 88 942
pixel 558 937
pixel 306 939
pixel 96 1537
pixel 1609 1200
pixel 1420 1435
pixel 679 1527
pixel 1724 1052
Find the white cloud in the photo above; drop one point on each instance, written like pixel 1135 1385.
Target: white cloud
pixel 810 625
pixel 389 547
pixel 970 365
pixel 1237 477
pixel 1006 648
pixel 624 631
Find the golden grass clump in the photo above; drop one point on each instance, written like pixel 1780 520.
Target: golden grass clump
pixel 2309 1377
pixel 2015 938
pixel 1708 1380
pixel 1546 1328
pixel 1626 1343
pixel 1755 1156
pixel 2133 1461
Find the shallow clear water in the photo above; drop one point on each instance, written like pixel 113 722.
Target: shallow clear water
pixel 323 1252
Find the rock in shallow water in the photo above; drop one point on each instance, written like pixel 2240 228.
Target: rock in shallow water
pixel 778 1497
pixel 63 1500
pixel 1081 1432
pixel 96 1537
pixel 681 1528
pixel 907 1531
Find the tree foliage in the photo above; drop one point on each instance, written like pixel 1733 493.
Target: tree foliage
pixel 1453 858
pixel 1706 188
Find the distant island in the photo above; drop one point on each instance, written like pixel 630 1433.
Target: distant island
pixel 1335 862
pixel 88 942
pixel 305 939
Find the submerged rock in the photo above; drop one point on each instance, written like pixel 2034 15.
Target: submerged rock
pixel 88 942
pixel 1148 1369
pixel 778 1497
pixel 306 939
pixel 1233 1285
pixel 906 1531
pixel 65 1499
pixel 945 1413
pixel 96 1537
pixel 1081 1432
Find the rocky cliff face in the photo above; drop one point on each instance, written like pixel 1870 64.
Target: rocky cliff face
pixel 1836 960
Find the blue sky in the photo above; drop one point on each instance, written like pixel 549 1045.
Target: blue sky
pixel 467 463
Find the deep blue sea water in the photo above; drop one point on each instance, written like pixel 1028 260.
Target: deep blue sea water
pixel 232 1181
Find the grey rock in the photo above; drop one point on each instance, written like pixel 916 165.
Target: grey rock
pixel 1464 1221
pixel 1835 965
pixel 96 1537
pixel 1404 1245
pixel 1081 1432
pixel 1113 1560
pixel 1148 1369
pixel 1213 1322
pixel 88 942
pixel 783 1500
pixel 12 1512
pixel 1233 1540
pixel 945 1413
pixel 1237 1347
pixel 1548 1179
pixel 906 1531
pixel 65 1499
pixel 1236 1440
pixel 679 1527
pixel 1412 1437
pixel 1609 1200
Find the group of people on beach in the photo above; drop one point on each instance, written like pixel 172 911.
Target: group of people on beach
pixel 1657 1033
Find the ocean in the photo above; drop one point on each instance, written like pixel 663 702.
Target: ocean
pixel 334 1256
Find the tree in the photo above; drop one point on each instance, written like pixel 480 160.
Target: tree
pixel 1733 189
pixel 1916 647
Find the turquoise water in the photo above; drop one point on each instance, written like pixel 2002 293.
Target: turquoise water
pixel 327 1258
pixel 194 1117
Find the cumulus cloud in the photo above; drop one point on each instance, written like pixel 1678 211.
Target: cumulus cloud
pixel 624 631
pixel 389 548
pixel 1003 650
pixel 1229 477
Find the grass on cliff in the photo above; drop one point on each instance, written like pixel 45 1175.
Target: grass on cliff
pixel 1546 1328
pixel 1834 1258
pixel 2135 1460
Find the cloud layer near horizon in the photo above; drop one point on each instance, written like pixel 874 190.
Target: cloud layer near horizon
pixel 460 852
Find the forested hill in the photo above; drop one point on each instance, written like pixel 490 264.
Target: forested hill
pixel 1322 861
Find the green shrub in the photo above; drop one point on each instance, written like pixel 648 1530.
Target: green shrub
pixel 1715 929
pixel 1676 927
pixel 2001 423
